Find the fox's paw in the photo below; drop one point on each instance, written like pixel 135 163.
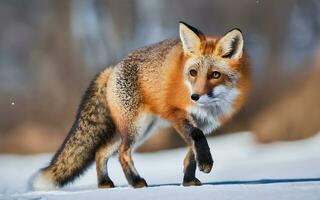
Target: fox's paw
pixel 108 184
pixel 139 183
pixel 205 164
pixel 205 167
pixel 191 182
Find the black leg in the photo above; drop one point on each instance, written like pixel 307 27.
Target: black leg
pixel 190 166
pixel 203 155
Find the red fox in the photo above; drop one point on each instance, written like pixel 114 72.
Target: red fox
pixel 194 83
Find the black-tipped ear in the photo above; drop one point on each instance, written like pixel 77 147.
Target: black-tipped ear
pixel 231 45
pixel 193 29
pixel 190 38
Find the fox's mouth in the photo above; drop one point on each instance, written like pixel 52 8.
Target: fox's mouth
pixel 206 100
pixel 206 103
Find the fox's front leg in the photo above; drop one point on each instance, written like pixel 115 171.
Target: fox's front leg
pixel 199 152
pixel 189 169
pixel 202 150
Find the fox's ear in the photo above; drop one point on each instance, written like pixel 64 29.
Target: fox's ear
pixel 230 45
pixel 190 38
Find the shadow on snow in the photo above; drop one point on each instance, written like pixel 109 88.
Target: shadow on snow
pixel 248 182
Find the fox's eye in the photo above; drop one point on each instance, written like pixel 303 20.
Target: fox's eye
pixel 193 72
pixel 215 75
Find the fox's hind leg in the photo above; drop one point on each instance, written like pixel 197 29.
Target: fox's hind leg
pixel 102 156
pixel 129 137
pixel 127 164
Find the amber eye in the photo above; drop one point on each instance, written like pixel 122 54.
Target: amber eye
pixel 215 75
pixel 193 72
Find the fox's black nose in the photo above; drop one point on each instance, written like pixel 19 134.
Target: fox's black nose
pixel 195 97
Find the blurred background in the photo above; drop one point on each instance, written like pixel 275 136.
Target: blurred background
pixel 51 49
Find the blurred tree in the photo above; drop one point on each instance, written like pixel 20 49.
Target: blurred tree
pixel 51 49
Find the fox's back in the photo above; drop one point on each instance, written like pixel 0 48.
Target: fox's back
pixel 141 75
pixel 150 63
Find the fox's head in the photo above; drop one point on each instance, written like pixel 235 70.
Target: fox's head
pixel 212 66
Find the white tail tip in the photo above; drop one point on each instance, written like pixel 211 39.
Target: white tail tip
pixel 40 181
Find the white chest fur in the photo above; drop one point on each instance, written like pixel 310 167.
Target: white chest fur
pixel 207 117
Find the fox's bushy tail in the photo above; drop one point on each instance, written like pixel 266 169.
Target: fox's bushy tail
pixel 92 128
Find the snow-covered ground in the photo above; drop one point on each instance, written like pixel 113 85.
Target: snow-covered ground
pixel 242 170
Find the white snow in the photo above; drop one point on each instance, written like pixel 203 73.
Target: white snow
pixel 243 169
